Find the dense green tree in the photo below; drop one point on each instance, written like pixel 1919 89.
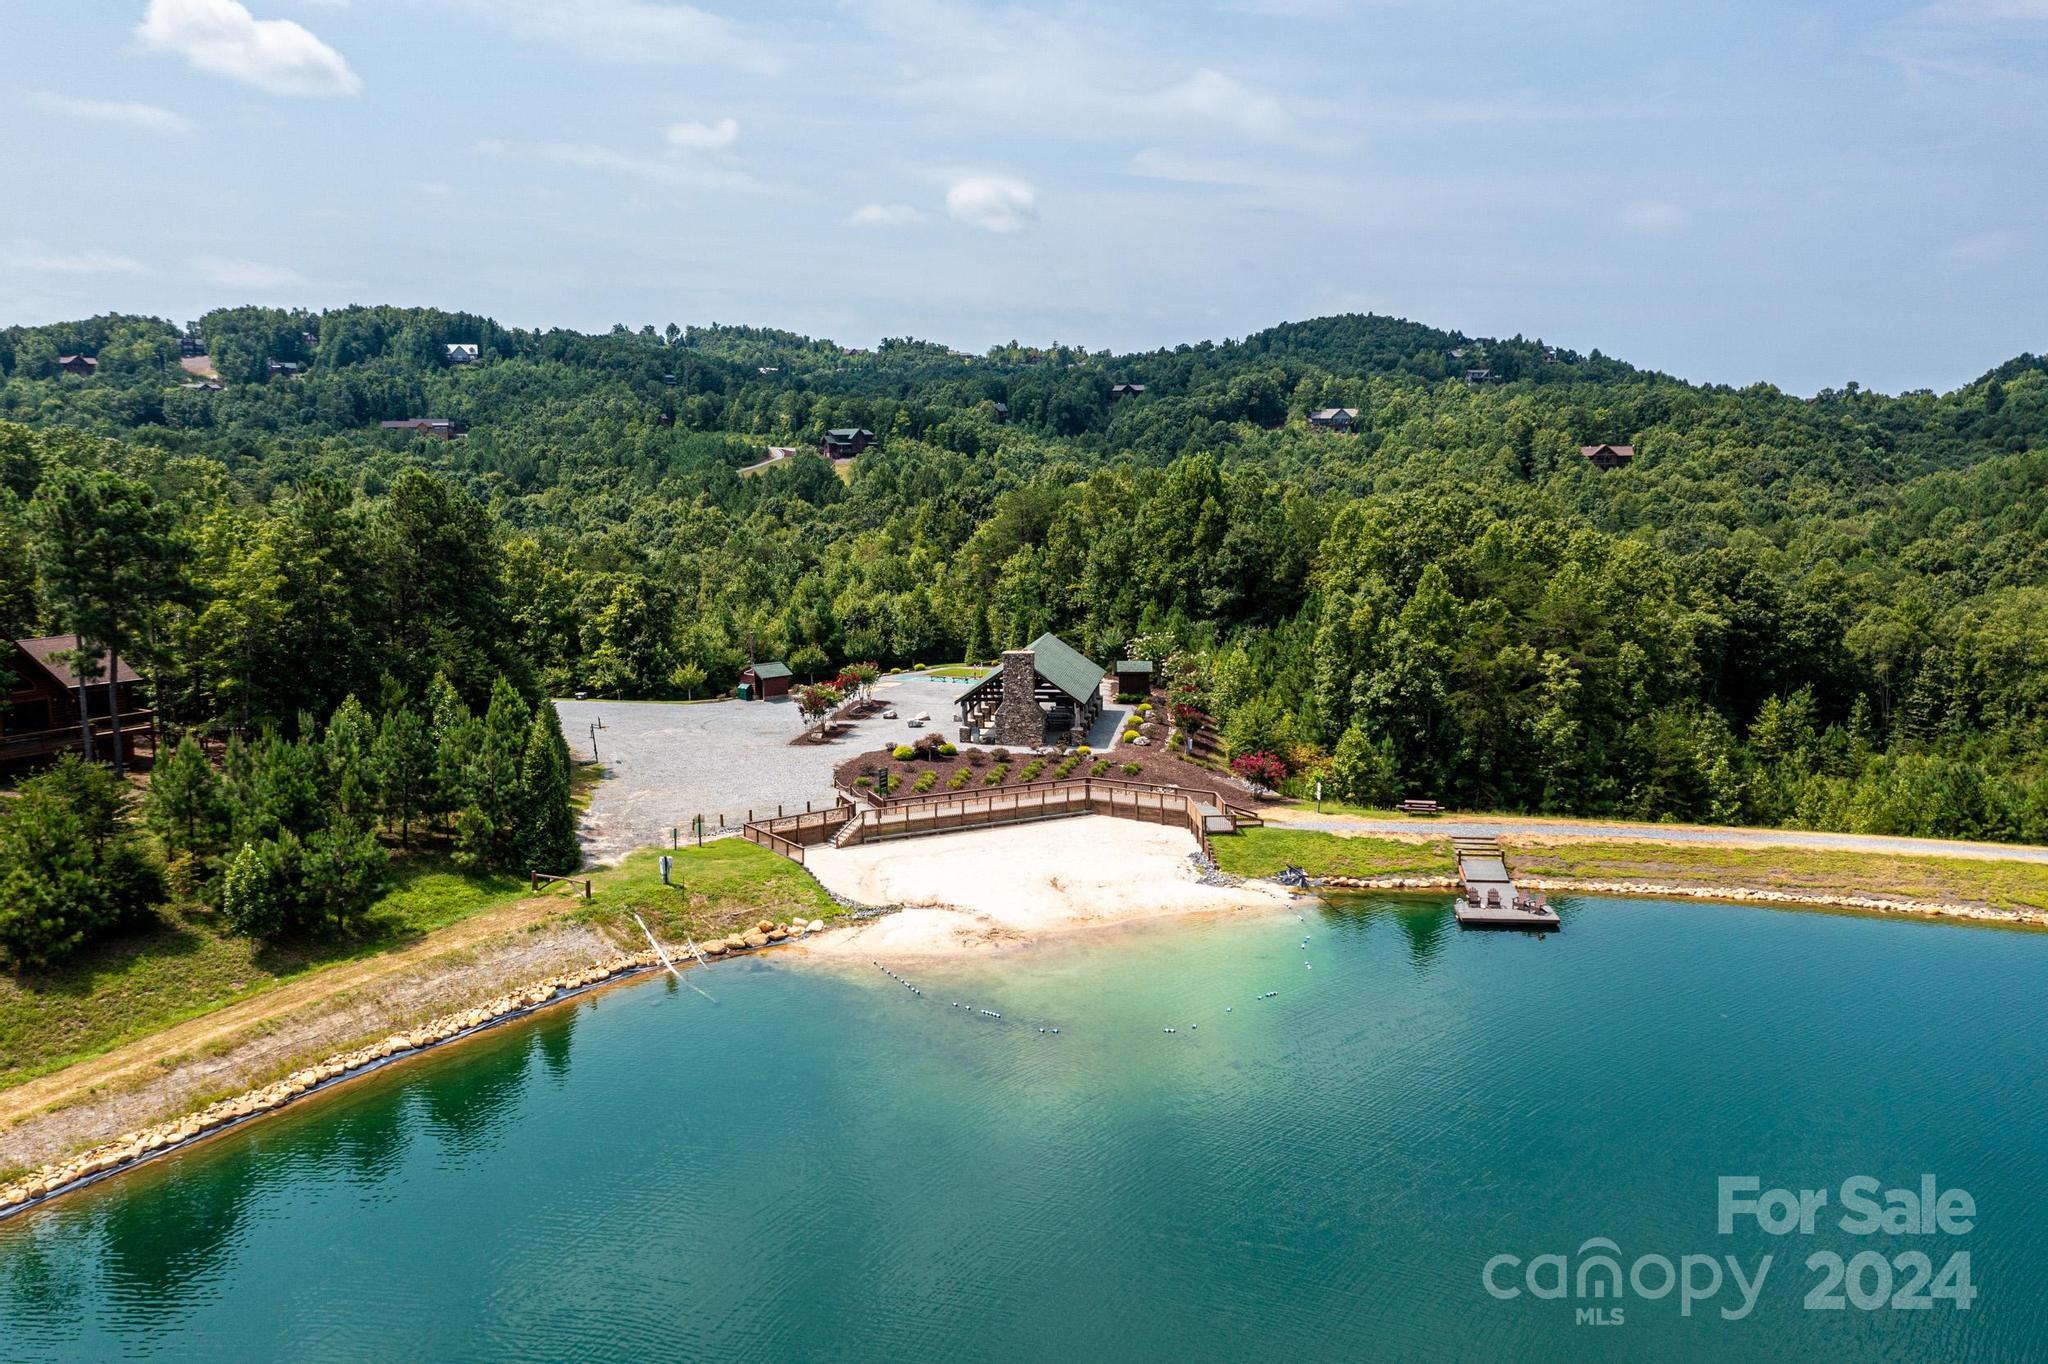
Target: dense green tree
pixel 404 760
pixel 69 868
pixel 547 817
pixel 186 807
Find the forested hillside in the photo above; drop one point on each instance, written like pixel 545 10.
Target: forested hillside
pixel 1830 611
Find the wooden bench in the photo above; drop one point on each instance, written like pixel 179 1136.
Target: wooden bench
pixel 1419 807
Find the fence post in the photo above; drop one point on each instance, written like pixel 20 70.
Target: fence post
pixel 532 881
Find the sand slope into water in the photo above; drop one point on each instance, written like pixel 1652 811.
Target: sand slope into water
pixel 1007 886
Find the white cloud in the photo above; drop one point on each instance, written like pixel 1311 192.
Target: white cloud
pixel 636 31
pixel 716 136
pixel 684 172
pixel 1080 74
pixel 75 262
pixel 1157 163
pixel 1987 248
pixel 1991 11
pixel 993 203
pixel 221 36
pixel 1213 98
pixel 247 274
pixel 147 117
pixel 884 215
pixel 1654 217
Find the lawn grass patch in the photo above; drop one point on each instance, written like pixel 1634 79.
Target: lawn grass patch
pixel 1262 852
pixel 1815 871
pixel 184 963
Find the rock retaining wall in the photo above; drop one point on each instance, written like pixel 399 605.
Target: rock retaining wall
pixel 149 1142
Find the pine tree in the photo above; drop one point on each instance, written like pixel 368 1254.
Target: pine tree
pixel 351 773
pixel 454 733
pixel 405 761
pixel 547 819
pixel 487 829
pixel 186 806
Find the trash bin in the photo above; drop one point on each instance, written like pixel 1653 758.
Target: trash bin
pixel 746 691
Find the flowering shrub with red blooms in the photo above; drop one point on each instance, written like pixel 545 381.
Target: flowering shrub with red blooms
pixel 1191 719
pixel 815 703
pixel 857 677
pixel 1262 770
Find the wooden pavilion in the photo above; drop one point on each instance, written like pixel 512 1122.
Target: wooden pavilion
pixel 1046 692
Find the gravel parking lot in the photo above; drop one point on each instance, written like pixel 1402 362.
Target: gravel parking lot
pixel 669 760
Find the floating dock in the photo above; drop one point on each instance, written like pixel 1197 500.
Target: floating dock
pixel 1490 899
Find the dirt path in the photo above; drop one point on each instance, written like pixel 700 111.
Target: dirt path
pixel 152 1058
pixel 1477 826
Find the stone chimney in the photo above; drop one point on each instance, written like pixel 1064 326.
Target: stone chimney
pixel 1019 721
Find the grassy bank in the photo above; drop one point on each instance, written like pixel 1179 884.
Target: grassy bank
pixel 1261 852
pixel 186 964
pixel 2002 885
pixel 1959 880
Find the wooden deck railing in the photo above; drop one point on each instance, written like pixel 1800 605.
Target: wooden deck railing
pixel 133 724
pixel 946 811
pixel 791 834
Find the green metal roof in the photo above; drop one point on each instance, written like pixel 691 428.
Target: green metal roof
pixel 764 671
pixel 1059 664
pixel 1133 665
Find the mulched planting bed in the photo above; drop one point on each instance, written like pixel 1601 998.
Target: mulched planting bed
pixel 1155 766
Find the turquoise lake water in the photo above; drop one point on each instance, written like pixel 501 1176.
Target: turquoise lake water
pixel 823 1165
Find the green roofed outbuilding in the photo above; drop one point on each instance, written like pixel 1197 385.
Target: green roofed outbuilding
pixel 763 680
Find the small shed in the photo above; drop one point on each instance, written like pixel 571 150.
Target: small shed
pixel 763 680
pixel 1133 677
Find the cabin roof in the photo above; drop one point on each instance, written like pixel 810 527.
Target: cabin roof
pixel 45 648
pixel 764 671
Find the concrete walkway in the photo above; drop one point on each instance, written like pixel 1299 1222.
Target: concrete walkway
pixel 1473 826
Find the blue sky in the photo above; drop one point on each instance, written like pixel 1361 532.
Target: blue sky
pixel 1803 194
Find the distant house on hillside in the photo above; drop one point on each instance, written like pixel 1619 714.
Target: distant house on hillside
pixel 289 369
pixel 1002 412
pixel 463 352
pixel 1334 418
pixel 844 442
pixel 1119 392
pixel 768 369
pixel 439 427
pixel 1608 456
pixel 84 366
pixel 1476 377
pixel 203 385
pixel 189 346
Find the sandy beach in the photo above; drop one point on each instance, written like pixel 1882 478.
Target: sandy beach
pixel 1009 886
